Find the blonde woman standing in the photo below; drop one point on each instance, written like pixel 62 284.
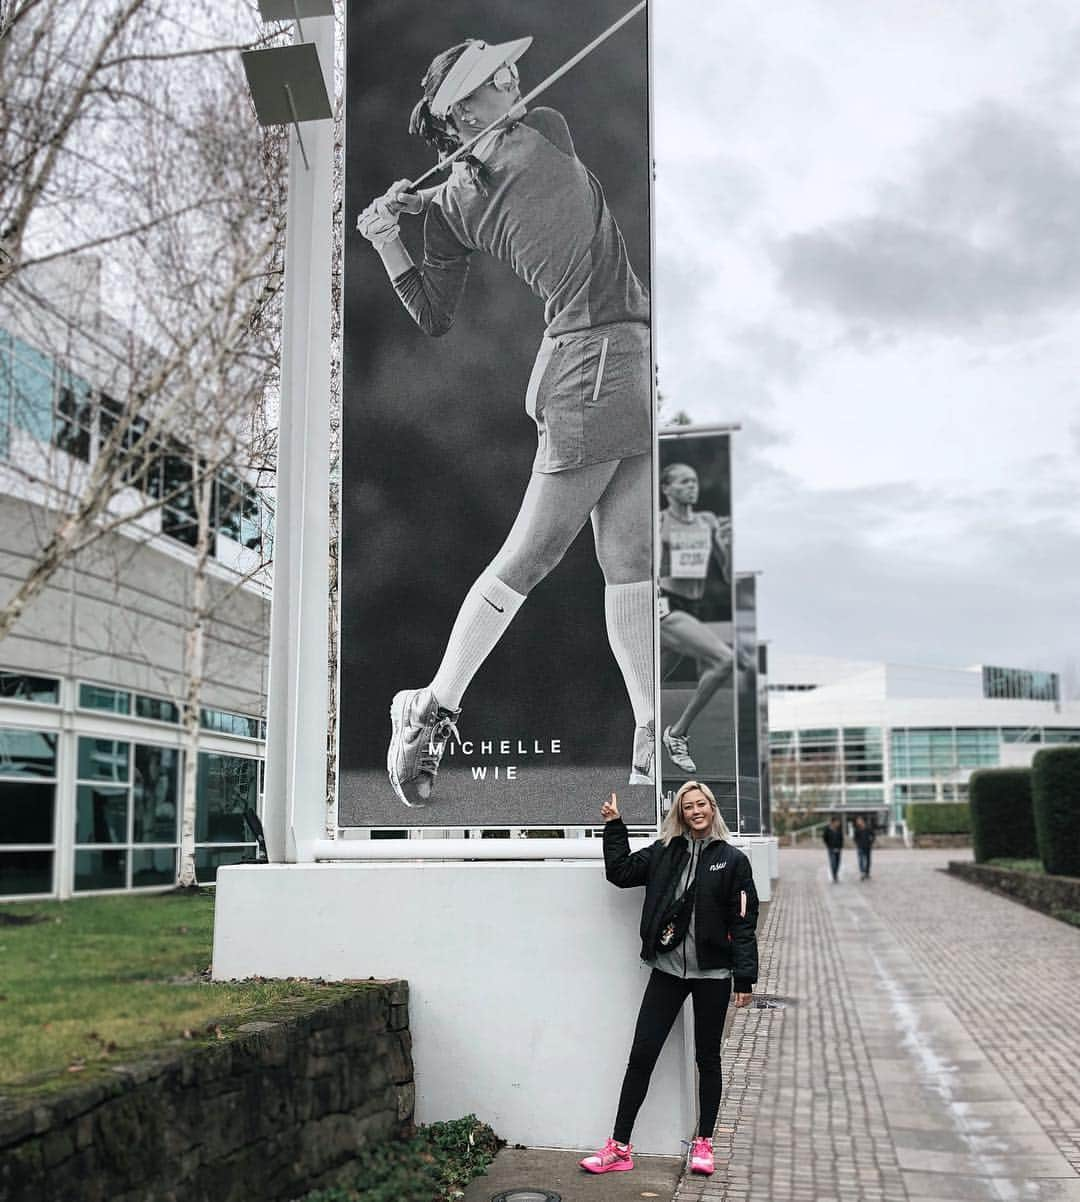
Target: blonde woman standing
pixel 698 934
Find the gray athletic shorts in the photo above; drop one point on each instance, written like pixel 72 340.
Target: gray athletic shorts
pixel 590 395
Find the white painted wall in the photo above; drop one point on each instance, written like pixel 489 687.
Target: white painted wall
pixel 524 981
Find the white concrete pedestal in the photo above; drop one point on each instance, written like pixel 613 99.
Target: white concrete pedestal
pixel 524 981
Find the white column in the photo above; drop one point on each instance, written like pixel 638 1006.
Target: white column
pixel 295 807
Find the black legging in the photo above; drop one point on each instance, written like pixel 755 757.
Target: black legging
pixel 664 996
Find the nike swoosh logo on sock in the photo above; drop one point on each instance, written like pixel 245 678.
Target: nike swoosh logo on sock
pixel 499 608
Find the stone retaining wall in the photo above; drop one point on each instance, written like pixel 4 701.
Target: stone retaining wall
pixel 1050 894
pixel 268 1111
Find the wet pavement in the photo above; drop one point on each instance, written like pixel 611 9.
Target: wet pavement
pixel 924 1045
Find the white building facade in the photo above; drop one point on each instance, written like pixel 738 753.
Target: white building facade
pixel 94 673
pixel 859 737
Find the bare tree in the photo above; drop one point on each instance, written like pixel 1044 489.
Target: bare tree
pixel 141 238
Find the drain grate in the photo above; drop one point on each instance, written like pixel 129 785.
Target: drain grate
pixel 526 1195
pixel 765 1002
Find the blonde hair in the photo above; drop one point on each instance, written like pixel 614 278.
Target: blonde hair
pixel 674 823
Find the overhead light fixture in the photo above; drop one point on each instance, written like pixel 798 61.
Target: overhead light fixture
pixel 287 86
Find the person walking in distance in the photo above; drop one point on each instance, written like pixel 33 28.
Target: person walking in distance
pixel 698 935
pixel 524 197
pixel 833 835
pixel 864 840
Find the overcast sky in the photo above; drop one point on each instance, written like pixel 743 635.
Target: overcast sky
pixel 868 255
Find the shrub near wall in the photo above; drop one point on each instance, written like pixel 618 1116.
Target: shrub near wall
pixel 936 818
pixel 1055 795
pixel 1002 825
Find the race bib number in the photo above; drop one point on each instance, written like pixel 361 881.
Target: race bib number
pixel 690 553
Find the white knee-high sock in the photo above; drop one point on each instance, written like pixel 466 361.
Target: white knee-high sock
pixel 630 610
pixel 487 610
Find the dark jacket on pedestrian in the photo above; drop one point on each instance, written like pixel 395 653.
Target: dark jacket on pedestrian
pixel 864 838
pixel 834 837
pixel 725 902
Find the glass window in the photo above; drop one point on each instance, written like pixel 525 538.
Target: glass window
pixel 140 455
pixel 25 872
pixel 156 709
pixel 863 754
pixel 864 796
pixel 73 420
pixel 98 697
pixel 5 394
pixel 16 686
pixel 227 785
pixel 127 796
pixel 154 794
pixel 1021 734
pixel 27 753
pixel 31 391
pixel 101 869
pixel 227 505
pixel 101 814
pixel 26 811
pixel 819 744
pixel 103 759
pixel 230 724
pixel 178 516
pixel 1062 734
pixel 153 866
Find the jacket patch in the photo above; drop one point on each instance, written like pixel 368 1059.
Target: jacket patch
pixel 742 903
pixel 717 867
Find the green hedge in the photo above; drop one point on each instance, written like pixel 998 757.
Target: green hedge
pixel 1001 817
pixel 1055 796
pixel 434 1166
pixel 938 818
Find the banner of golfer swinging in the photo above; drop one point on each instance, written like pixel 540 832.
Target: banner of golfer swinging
pixel 497 563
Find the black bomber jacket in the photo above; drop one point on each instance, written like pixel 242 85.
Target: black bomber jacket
pixel 725 904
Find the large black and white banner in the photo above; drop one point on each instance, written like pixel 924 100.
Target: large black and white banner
pixel 747 702
pixel 497 582
pixel 697 610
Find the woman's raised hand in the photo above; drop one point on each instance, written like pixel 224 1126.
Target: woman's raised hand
pixel 398 199
pixel 610 809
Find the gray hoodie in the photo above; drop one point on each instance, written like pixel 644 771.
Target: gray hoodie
pixel 681 961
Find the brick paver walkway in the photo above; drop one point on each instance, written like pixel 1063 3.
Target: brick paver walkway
pixel 929 1048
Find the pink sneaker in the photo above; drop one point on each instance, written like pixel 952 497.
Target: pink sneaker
pixel 612 1158
pixel 701 1156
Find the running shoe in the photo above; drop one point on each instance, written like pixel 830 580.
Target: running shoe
pixel 419 730
pixel 678 747
pixel 701 1156
pixel 642 766
pixel 612 1158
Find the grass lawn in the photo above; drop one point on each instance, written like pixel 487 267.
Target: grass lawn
pixel 90 982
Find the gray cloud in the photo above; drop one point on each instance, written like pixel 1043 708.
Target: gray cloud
pixel 987 228
pixel 989 584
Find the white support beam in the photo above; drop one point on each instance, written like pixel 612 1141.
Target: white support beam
pixel 295 800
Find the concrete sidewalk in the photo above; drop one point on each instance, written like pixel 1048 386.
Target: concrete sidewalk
pixel 927 1048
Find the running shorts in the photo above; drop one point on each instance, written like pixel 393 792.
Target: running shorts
pixel 590 395
pixel 686 605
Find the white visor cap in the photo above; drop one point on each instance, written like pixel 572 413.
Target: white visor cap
pixel 477 63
